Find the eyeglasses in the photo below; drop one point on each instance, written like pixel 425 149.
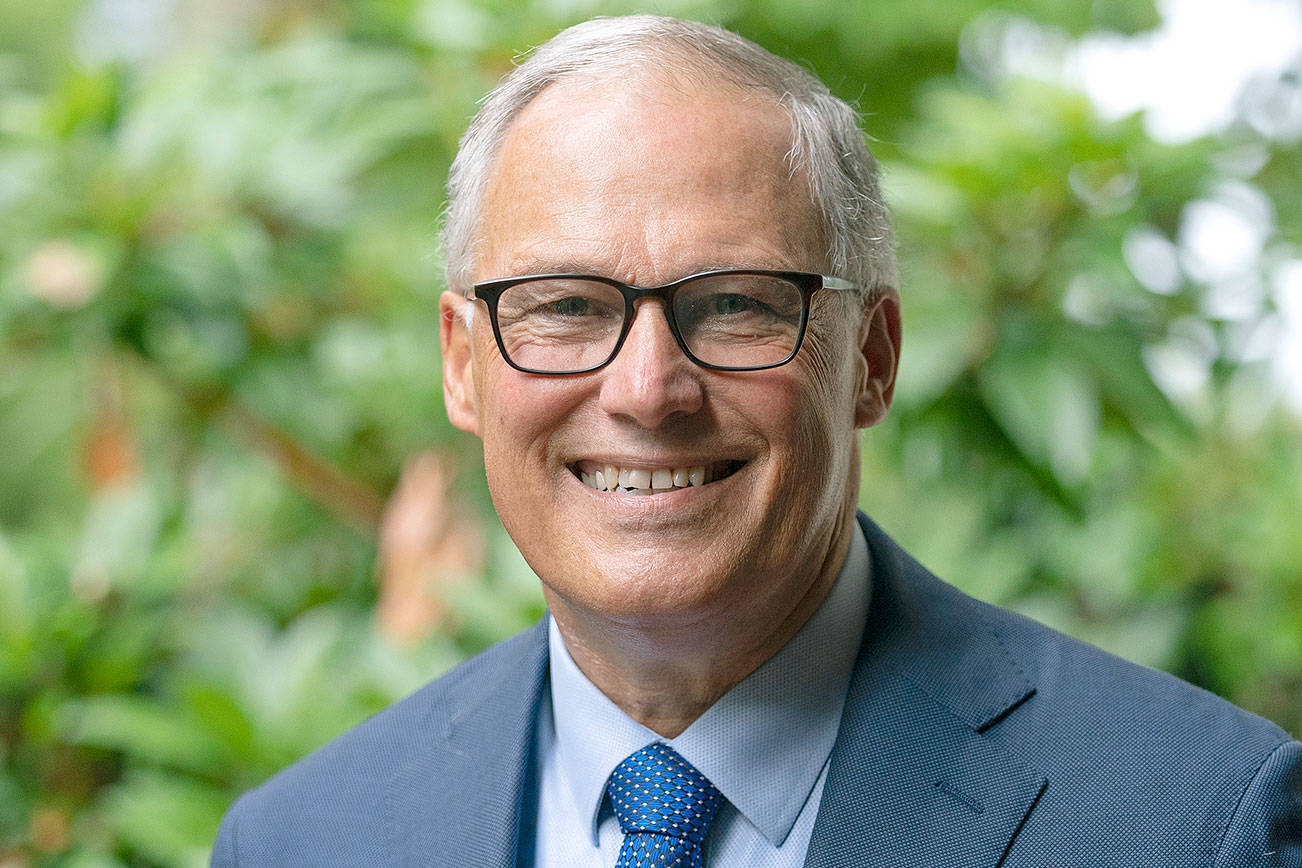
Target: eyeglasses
pixel 726 320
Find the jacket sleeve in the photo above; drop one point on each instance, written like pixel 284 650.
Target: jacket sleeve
pixel 1266 828
pixel 223 849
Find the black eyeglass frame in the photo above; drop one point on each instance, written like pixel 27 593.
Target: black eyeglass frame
pixel 489 291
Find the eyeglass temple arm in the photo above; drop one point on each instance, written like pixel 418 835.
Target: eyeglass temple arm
pixel 837 283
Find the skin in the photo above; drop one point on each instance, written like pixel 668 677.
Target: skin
pixel 667 601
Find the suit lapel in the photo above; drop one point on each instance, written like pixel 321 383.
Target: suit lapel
pixel 913 782
pixel 459 802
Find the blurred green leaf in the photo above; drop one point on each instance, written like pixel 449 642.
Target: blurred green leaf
pixel 166 819
pixel 140 727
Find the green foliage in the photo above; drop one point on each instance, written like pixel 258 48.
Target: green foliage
pixel 218 328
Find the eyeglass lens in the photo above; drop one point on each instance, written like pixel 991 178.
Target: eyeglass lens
pixel 728 320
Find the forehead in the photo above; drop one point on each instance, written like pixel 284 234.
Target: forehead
pixel 654 177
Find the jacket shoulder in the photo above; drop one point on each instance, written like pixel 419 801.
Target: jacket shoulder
pixel 1061 678
pixel 1141 767
pixel 327 806
pixel 1151 769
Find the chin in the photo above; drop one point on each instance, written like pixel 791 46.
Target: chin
pixel 663 588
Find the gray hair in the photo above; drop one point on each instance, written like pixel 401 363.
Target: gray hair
pixel 827 143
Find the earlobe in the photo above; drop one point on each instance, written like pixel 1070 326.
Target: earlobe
pixel 460 397
pixel 879 347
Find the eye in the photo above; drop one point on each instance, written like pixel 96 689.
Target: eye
pixel 731 303
pixel 573 305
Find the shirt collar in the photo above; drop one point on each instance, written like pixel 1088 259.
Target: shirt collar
pixel 777 725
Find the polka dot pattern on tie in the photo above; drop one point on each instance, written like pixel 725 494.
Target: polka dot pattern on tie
pixel 664 807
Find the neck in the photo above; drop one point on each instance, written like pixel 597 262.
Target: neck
pixel 665 674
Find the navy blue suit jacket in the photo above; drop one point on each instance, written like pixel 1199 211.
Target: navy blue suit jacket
pixel 971 738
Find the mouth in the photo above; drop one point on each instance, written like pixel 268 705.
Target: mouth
pixel 648 480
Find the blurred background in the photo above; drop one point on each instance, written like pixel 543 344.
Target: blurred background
pixel 234 519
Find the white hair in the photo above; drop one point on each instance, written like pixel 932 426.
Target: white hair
pixel 827 143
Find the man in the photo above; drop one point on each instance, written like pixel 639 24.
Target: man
pixel 672 307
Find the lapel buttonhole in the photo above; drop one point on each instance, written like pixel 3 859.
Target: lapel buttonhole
pixel 961 797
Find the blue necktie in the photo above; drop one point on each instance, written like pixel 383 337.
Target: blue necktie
pixel 664 807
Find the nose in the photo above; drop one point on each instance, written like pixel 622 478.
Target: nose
pixel 650 381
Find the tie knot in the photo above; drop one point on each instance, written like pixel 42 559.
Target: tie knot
pixel 656 790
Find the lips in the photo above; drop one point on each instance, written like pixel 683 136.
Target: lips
pixel 643 479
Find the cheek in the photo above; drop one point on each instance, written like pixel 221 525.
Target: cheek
pixel 522 419
pixel 827 403
pixel 505 418
pixel 810 426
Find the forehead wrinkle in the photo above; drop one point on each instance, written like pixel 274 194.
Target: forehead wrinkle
pixel 605 259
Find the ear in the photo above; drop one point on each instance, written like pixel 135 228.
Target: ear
pixel 879 348
pixel 460 393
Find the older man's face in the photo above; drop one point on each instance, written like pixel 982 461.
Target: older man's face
pixel 647 184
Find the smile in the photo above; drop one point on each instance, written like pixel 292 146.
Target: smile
pixel 644 480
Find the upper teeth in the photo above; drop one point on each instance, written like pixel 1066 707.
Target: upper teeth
pixel 643 480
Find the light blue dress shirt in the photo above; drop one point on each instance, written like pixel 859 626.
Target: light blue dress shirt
pixel 765 744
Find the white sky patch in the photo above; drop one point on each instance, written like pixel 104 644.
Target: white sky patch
pixel 130 30
pixel 1152 258
pixel 1187 74
pixel 1288 351
pixel 1189 77
pixel 1181 364
pixel 1222 237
